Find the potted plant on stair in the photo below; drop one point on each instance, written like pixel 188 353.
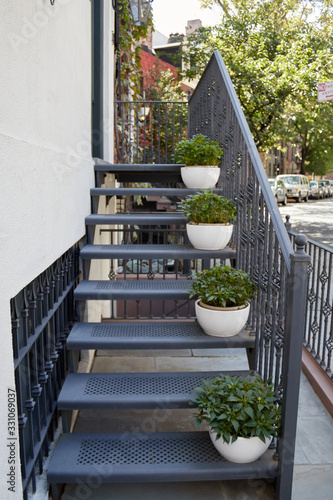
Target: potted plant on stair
pixel 223 300
pixel 210 217
pixel 201 158
pixel 242 415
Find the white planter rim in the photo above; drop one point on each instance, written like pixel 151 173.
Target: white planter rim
pixel 209 223
pixel 216 308
pixel 200 166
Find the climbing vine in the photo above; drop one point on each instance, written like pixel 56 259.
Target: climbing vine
pixel 130 46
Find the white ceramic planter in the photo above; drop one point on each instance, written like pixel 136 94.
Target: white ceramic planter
pixel 241 451
pixel 209 236
pixel 221 322
pixel 200 177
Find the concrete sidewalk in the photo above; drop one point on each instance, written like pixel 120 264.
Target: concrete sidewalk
pixel 313 476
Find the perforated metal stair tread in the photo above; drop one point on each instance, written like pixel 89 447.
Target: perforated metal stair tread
pixel 150 335
pixel 142 167
pixel 153 252
pixel 132 289
pixel 145 191
pixel 132 390
pixel 145 457
pixel 141 218
pixel 141 172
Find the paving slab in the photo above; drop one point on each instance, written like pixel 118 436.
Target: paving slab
pixel 202 363
pixel 313 482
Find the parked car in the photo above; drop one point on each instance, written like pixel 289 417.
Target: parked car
pixel 279 190
pixel 316 190
pixel 297 186
pixel 326 189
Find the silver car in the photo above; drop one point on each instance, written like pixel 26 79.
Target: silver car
pixel 325 187
pixel 316 190
pixel 279 190
pixel 328 186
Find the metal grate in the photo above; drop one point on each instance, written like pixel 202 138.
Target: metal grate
pixel 146 331
pixel 142 285
pixel 145 384
pixel 136 451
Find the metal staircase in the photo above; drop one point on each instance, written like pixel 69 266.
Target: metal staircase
pixel 172 456
pixel 153 311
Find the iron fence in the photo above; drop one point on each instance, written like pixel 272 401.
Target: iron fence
pixel 148 131
pixel 42 316
pixel 318 329
pixel 263 249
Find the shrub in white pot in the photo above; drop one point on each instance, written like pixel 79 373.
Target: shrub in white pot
pixel 201 158
pixel 210 216
pixel 242 415
pixel 223 301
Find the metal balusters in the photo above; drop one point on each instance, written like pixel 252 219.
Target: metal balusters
pixel 318 331
pixel 15 321
pixel 39 331
pixel 148 131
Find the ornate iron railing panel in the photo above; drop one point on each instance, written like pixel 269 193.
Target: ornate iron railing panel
pixel 318 331
pixel 263 249
pixel 42 316
pixel 148 131
pixel 262 242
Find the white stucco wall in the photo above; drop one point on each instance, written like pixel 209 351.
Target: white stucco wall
pixel 46 167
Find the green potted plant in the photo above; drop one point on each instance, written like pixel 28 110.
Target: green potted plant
pixel 242 415
pixel 209 215
pixel 201 157
pixel 223 300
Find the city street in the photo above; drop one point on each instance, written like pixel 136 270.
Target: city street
pixel 314 219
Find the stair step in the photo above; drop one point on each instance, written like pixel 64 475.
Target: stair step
pixel 137 167
pixel 180 192
pixel 150 251
pixel 157 457
pixel 151 335
pixel 139 219
pixel 141 173
pixel 134 391
pixel 133 290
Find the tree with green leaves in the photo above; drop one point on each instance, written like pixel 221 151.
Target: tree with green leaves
pixel 276 52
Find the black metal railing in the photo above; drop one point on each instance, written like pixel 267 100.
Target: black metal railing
pixel 263 249
pixel 148 131
pixel 42 316
pixel 318 329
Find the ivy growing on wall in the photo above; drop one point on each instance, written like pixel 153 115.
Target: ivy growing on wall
pixel 130 43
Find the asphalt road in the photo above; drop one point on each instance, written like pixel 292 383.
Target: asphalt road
pixel 314 219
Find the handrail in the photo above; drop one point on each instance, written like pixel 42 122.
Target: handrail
pixel 280 229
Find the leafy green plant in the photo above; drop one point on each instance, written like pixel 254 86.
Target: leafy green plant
pixel 223 286
pixel 208 207
pixel 235 407
pixel 199 150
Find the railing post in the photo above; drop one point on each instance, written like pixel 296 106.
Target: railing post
pixel 292 362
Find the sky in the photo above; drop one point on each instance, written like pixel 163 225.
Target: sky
pixel 171 16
